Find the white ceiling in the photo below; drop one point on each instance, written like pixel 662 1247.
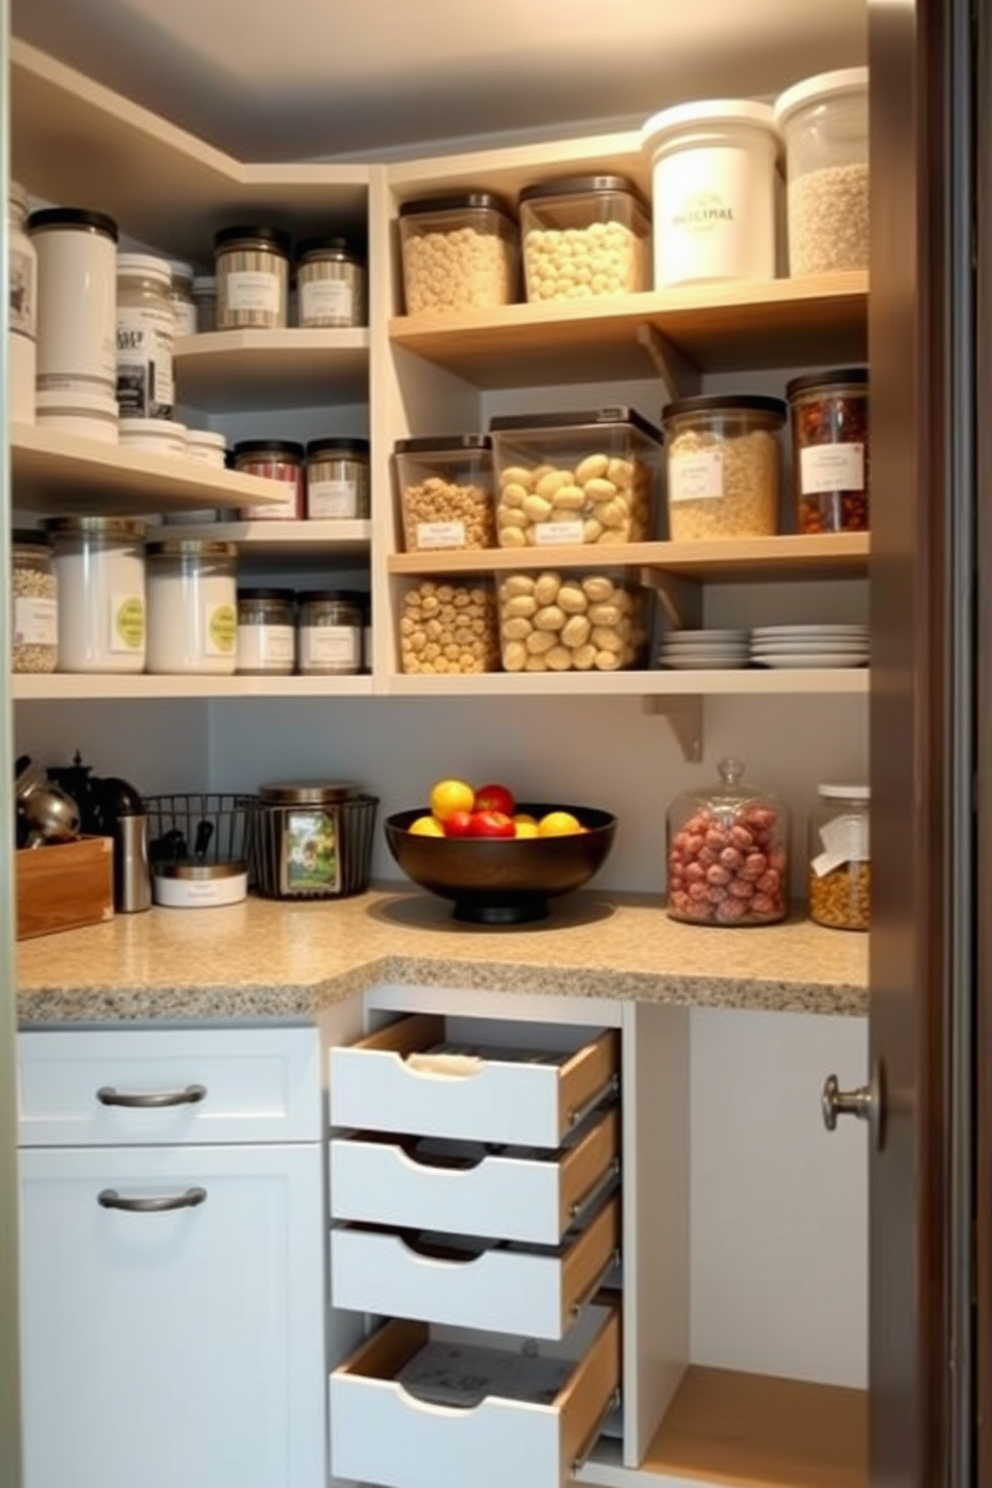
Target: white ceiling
pixel 274 79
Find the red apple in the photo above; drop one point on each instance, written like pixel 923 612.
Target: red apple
pixel 458 824
pixel 494 798
pixel 491 824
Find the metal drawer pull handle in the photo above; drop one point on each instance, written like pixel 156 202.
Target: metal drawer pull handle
pixel 109 1198
pixel 108 1096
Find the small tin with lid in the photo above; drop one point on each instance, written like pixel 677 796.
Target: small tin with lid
pixel 585 236
pixel 330 283
pixel 313 839
pixel 724 463
pixel 34 604
pixel 459 252
pixel 330 632
pixel 830 450
pixel 337 479
pixel 275 460
pixel 252 269
pixel 839 876
pixel 192 606
pixel 266 632
pixel 100 568
pixel 445 487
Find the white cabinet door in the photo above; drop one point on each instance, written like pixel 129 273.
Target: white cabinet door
pixel 184 1346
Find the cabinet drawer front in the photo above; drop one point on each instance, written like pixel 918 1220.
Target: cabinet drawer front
pixel 177 1086
pixel 382 1434
pixel 519 1291
pixel 509 1197
pixel 374 1085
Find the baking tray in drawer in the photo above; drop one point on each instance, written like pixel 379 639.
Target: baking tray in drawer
pixel 407 1078
pixel 513 1193
pixel 530 1425
pixel 499 1286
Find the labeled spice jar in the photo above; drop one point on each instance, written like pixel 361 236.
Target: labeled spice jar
pixel 330 283
pixel 573 621
pixel 192 606
pixel 459 252
pixel 728 853
pixel 100 569
pixel 266 632
pixel 22 300
pixel 205 301
pixel 830 450
pixel 839 877
pixel 252 269
pixel 329 633
pixel 449 628
pixel 145 330
pixel 274 460
pixel 825 123
pixel 445 486
pixel 724 464
pixel 34 604
pixel 77 310
pixel 181 298
pixel 585 236
pixel 312 839
pixel 337 479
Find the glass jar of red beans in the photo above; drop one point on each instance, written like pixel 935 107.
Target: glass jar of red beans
pixel 830 459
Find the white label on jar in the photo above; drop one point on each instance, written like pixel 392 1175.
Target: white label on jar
pixel 696 477
pixel 252 289
pixel 547 534
pixel 264 647
pixel 831 467
pixel 329 645
pixel 127 622
pixel 332 498
pixel 327 299
pixel 278 510
pixel 845 840
pixel 715 213
pixel 21 286
pixel 183 318
pixel 144 361
pixel 36 622
pixel 440 534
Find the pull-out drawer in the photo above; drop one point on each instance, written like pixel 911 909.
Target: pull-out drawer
pixel 511 1193
pixel 407 1078
pixel 534 1424
pixel 502 1287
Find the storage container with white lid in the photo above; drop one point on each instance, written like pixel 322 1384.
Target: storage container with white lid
pixel 100 568
pixel 459 252
pixel 192 606
pixel 714 168
pixel 22 298
pixel 839 877
pixel 77 304
pixel 585 236
pixel 825 123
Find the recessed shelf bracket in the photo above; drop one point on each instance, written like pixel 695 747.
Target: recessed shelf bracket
pixel 681 376
pixel 681 600
pixel 685 719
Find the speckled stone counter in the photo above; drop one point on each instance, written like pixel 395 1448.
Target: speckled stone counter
pixel 263 960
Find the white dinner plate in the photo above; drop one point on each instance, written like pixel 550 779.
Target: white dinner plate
pixel 806 632
pixel 800 659
pixel 692 637
pixel 774 647
pixel 704 663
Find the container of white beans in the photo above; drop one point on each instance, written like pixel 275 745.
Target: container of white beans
pixel 585 236
pixel 445 487
pixel 570 478
pixel 459 253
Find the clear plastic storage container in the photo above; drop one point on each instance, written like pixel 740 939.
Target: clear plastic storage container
pixel 585 236
pixel 192 606
pixel 575 477
pixel 459 252
pixel 572 621
pixel 445 487
pixel 100 568
pixel 728 853
pixel 839 878
pixel 825 123
pixel 830 450
pixel 724 463
pixel 449 628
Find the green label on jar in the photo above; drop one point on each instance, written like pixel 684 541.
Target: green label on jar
pixel 129 623
pixel 223 629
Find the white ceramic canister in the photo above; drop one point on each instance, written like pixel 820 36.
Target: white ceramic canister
pixel 145 330
pixel 192 607
pixel 22 297
pixel 153 436
pixel 100 568
pixel 77 311
pixel 714 167
pixel 206 447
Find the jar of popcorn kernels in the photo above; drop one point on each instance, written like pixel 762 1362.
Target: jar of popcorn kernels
pixel 459 253
pixel 585 236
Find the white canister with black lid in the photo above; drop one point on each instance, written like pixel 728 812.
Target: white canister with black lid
pixel 77 303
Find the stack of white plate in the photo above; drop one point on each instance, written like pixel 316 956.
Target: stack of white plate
pixel 810 645
pixel 704 650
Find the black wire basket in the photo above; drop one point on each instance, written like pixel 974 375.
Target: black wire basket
pixel 311 851
pixel 199 827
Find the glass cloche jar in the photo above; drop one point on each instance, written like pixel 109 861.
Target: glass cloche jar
pixel 728 853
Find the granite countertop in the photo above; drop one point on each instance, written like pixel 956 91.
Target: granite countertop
pixel 283 961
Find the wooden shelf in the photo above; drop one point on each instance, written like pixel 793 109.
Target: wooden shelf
pixel 260 370
pixel 55 472
pixel 59 688
pixel 761 682
pixel 508 169
pixel 311 541
pixel 744 324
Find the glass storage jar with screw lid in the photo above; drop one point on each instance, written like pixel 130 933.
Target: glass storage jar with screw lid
pixel 330 632
pixel 338 479
pixel 145 329
pixel 35 612
pixel 181 298
pixel 275 460
pixel 252 267
pixel 266 632
pixel 830 449
pixel 728 853
pixel 825 123
pixel 192 606
pixel 330 283
pixel 839 877
pixel 100 569
pixel 22 293
pixel 724 462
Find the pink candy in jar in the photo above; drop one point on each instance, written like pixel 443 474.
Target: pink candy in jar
pixel 728 854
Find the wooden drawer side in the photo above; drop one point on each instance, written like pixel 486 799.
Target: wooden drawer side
pixel 584 1166
pixel 587 1075
pixel 586 1262
pixel 587 1395
pixel 405 1036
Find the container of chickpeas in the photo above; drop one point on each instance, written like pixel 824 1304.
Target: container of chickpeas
pixel 449 628
pixel 585 236
pixel 724 463
pixel 588 621
pixel 445 487
pixel 570 478
pixel 459 253
pixel 839 877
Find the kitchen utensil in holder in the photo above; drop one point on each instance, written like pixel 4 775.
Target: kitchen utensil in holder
pixel 205 827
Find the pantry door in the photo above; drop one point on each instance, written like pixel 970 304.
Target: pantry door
pixel 923 746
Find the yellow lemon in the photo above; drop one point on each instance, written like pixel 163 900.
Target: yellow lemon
pixel 449 796
pixel 524 828
pixel 426 826
pixel 524 818
pixel 558 824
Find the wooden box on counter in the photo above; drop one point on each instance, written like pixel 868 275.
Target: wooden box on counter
pixel 65 886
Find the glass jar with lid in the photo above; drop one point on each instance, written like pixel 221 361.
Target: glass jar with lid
pixel 724 462
pixel 459 252
pixel 278 460
pixel 337 479
pixel 824 120
pixel 728 853
pixel 192 606
pixel 266 632
pixel 181 298
pixel 100 569
pixel 252 269
pixel 330 632
pixel 330 283
pixel 145 333
pixel 839 876
pixel 22 294
pixel 585 236
pixel 205 302
pixel 34 604
pixel 830 455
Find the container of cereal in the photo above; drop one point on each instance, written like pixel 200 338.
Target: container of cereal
pixel 252 271
pixel 839 878
pixel 449 628
pixel 192 606
pixel 830 450
pixel 459 253
pixel 100 568
pixel 34 604
pixel 278 460
pixel 724 466
pixel 573 621
pixel 825 123
pixel 330 283
pixel 337 479
pixel 585 236
pixel 445 487
pixel 575 477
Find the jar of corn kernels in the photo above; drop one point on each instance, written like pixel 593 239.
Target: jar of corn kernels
pixel 839 876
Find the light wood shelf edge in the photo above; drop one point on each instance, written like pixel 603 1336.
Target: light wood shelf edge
pixel 142 687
